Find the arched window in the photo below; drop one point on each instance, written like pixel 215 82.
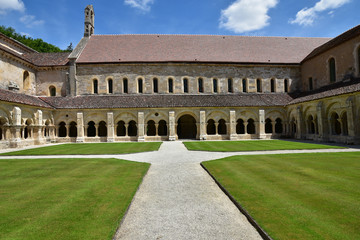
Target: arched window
pixel 222 127
pixel 140 85
pixel 91 130
pixel 311 125
pixel 26 80
pixel 240 127
pixel 110 86
pixel 27 129
pixel 132 129
pixel 272 85
pixel 286 85
pixel 125 85
pixel 95 86
pixel 171 85
pixel 121 129
pixel 215 85
pixel 155 85
pixel 62 130
pixel 186 87
pixel 335 124
pixel 102 129
pixel 162 128
pixel 244 85
pixel 52 91
pixel 210 127
pixel 200 85
pixel 268 126
pixel 250 126
pixel 258 85
pixel 278 126
pixel 73 130
pixel 230 85
pixel 332 70
pixel 151 129
pixel 344 124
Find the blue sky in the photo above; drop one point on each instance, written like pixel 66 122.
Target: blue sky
pixel 62 21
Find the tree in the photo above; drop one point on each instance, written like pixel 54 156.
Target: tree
pixel 69 48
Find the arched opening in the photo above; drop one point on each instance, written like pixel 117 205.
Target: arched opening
pixel 186 85
pixel 293 126
pixel 258 85
pixel 250 126
pixel 110 86
pixel 52 91
pixel 240 127
pixel 102 129
pixel 62 130
pixel 210 127
pixel 244 85
pixel 200 85
pixel 140 85
pixel 91 130
pixel 27 129
pixel 121 129
pixel 73 130
pixel 186 128
pixel 272 85
pixel 162 128
pixel 311 125
pixel 332 70
pixel 215 85
pixel 171 85
pixel 132 129
pixel 268 126
pixel 335 124
pixel 344 124
pixel 278 126
pixel 125 85
pixel 151 129
pixel 155 85
pixel 286 85
pixel 230 85
pixel 2 130
pixel 26 80
pixel 222 127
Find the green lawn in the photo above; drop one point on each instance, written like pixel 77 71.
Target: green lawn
pixel 65 198
pixel 90 148
pixel 297 196
pixel 252 145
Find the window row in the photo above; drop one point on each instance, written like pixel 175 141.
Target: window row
pixel 185 85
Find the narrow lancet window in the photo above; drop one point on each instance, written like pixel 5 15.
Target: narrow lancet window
pixel 200 85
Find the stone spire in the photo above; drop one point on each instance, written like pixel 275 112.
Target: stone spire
pixel 89 21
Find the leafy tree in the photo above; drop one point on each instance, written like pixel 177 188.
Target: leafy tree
pixel 36 44
pixel 69 48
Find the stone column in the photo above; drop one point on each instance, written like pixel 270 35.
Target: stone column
pixel 300 123
pixel 172 132
pixel 141 127
pixel 233 135
pixel 320 121
pixel 110 127
pixel 202 125
pixel 16 128
pixel 350 119
pixel 261 131
pixel 80 127
pixel 38 137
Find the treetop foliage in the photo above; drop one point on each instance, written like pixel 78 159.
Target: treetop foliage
pixel 37 44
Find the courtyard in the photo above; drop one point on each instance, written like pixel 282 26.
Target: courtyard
pixel 79 197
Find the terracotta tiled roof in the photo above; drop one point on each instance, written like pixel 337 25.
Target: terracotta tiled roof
pixel 332 90
pixel 168 101
pixel 13 97
pixel 197 48
pixel 354 32
pixel 48 59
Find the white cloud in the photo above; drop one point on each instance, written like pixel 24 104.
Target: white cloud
pixel 30 21
pixel 8 5
pixel 142 5
pixel 307 16
pixel 246 15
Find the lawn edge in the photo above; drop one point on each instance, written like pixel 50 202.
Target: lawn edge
pixel 130 204
pixel 252 221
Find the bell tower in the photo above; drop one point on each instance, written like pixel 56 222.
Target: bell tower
pixel 89 21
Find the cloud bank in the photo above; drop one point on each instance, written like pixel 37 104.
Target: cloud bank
pixel 143 5
pixel 8 5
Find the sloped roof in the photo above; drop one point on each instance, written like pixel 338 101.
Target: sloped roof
pixel 168 101
pixel 48 59
pixel 197 48
pixel 13 97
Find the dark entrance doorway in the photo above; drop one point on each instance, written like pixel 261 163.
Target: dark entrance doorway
pixel 186 128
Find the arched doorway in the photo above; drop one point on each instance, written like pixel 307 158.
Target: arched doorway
pixel 186 128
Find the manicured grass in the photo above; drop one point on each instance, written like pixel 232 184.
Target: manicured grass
pixel 252 145
pixel 89 148
pixel 297 196
pixel 65 198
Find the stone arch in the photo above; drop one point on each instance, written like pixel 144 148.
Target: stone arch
pixel 268 126
pixel 73 129
pixel 120 129
pixel 26 80
pixel 278 126
pixel 162 128
pixel 210 127
pixel 247 114
pixel 344 124
pixel 335 124
pixel 240 126
pixel 62 131
pixel 151 128
pixel 102 129
pixel 222 127
pixel 3 122
pixel 250 128
pixel 27 130
pixel 132 129
pixel 186 127
pixel 217 115
pixel 52 91
pixel 310 124
pixel 91 129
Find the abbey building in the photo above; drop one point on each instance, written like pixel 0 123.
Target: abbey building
pixel 166 87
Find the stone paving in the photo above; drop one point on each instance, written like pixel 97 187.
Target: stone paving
pixel 179 200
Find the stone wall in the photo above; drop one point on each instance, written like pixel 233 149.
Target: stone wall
pixel 56 77
pixel 147 72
